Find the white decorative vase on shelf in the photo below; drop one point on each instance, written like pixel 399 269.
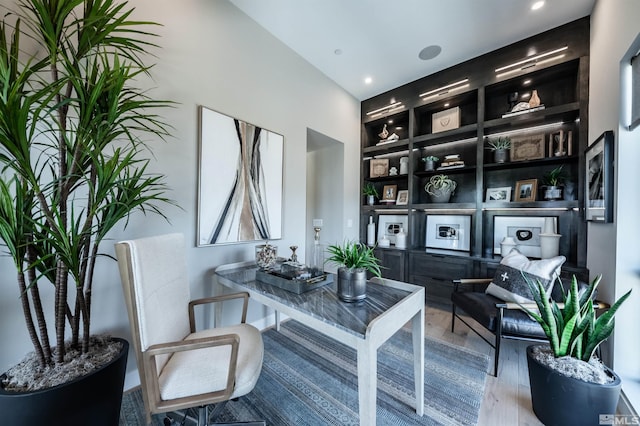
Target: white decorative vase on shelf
pixel 507 244
pixel 549 245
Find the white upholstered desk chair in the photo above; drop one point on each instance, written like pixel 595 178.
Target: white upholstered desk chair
pixel 179 367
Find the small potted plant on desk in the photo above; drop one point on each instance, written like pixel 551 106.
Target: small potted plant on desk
pixel 369 190
pixel 569 385
pixel 440 188
pixel 354 261
pixel 500 147
pixel 430 162
pixel 553 181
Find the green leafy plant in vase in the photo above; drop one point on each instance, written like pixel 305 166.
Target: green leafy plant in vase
pixel 354 260
pixel 500 147
pixel 553 181
pixel 430 162
pixel 369 190
pixel 440 188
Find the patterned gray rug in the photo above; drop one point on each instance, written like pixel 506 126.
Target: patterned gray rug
pixel 310 379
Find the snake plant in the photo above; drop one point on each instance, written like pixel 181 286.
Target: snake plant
pixel 573 330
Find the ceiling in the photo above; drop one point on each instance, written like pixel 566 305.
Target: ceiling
pixel 349 40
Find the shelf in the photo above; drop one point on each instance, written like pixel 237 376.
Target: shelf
pixel 369 208
pixel 530 163
pixel 386 178
pixel 446 171
pixel 400 145
pixel 444 206
pixel 564 113
pixel 463 132
pixel 517 205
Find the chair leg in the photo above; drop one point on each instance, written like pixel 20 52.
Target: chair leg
pixel 202 416
pixel 217 410
pixel 496 357
pixel 453 316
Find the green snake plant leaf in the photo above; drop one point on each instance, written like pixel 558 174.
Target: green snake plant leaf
pixel 603 327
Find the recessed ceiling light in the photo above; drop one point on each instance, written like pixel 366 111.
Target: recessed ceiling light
pixel 368 80
pixel 429 52
pixel 537 5
pixel 338 51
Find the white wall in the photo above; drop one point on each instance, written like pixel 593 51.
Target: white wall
pixel 614 249
pixel 214 55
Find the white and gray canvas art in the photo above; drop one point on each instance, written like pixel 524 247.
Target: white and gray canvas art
pixel 240 191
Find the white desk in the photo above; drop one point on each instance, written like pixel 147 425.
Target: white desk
pixel 365 327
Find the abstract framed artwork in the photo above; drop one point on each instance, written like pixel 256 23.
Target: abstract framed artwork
pixel 498 194
pixel 389 226
pixel 452 232
pixel 525 230
pixel 599 179
pixel 240 181
pixel 529 147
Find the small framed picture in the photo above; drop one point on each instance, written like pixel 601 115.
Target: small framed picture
pixel 599 179
pixel 379 167
pixel 526 190
pixel 389 193
pixel 499 194
pixel 403 197
pixel 452 232
pixel 529 147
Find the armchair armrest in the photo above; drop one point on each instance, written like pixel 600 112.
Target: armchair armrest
pixel 150 354
pixel 470 281
pixel 214 299
pixel 510 305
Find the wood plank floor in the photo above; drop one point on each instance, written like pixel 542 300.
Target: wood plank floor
pixel 507 398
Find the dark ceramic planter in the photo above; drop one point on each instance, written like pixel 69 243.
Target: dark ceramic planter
pixel 561 400
pixel 440 196
pixel 352 284
pixel 94 399
pixel 501 155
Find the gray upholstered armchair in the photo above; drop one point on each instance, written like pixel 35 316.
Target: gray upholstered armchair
pixel 180 367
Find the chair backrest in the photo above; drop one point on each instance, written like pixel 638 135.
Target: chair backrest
pixel 156 286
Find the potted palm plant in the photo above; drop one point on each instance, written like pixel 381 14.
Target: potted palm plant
pixel 354 260
pixel 568 384
pixel 72 150
pixel 369 190
pixel 500 147
pixel 440 188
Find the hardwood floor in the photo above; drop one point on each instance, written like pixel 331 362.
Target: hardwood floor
pixel 507 398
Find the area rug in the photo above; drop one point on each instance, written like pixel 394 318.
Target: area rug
pixel 310 379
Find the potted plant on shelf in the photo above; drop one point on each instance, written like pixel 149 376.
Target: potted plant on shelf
pixel 369 190
pixel 430 162
pixel 440 188
pixel 552 182
pixel 569 385
pixel 73 126
pixel 354 260
pixel 500 147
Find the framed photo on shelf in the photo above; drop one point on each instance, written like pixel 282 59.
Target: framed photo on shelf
pixel 403 197
pixel 452 232
pixel 390 225
pixel 498 194
pixel 389 193
pixel 599 179
pixel 528 147
pixel 379 167
pixel 526 190
pixel 525 230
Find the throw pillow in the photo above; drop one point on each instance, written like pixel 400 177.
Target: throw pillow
pixel 509 283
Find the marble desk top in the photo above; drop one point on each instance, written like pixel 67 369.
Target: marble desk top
pixel 323 303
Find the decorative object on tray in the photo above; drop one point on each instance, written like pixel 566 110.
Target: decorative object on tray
pixel 534 100
pixel 403 197
pixel 266 255
pixel 561 143
pixel 599 179
pixel 294 256
pixel 529 147
pixel 354 261
pixel 369 190
pixel 569 385
pixel 378 167
pixel 389 226
pixel 452 232
pixel 389 194
pixel 525 230
pixel 404 165
pixel 430 162
pixel 249 174
pixel 498 194
pixel 451 161
pixel 440 188
pixel 317 251
pixel 448 119
pixel 552 182
pixel 293 277
pixel 526 190
pixel 500 147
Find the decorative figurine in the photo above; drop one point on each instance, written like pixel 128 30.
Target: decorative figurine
pixel 294 256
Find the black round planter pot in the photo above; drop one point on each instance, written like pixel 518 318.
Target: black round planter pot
pixel 94 399
pixel 561 400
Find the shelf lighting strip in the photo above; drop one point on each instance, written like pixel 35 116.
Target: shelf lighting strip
pixel 385 110
pixel 527 209
pixel 527 131
pixel 531 62
pixel 458 85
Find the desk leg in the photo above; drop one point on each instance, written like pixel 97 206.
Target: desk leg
pixel 277 313
pixel 218 289
pixel 417 323
pixel 367 383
